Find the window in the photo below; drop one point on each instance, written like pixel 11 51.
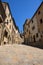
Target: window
pixel 36 34
pixel 41 21
pixel 38 12
pixel 33 27
pixel 29 32
pixel 41 36
pixel 4 42
pixel 10 20
pixel 7 22
pixel 39 30
pixel 32 21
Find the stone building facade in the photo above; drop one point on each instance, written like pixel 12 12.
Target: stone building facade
pixel 10 30
pixel 26 31
pixel 33 30
pixel 2 18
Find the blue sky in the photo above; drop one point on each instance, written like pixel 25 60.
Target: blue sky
pixel 23 9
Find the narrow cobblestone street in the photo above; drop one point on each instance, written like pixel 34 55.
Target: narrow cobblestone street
pixel 20 55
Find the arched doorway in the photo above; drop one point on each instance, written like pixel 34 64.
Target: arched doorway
pixel 5 37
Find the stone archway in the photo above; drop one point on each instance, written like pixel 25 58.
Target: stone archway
pixel 5 36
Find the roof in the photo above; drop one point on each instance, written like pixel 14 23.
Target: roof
pixel 34 13
pixel 37 10
pixel 26 21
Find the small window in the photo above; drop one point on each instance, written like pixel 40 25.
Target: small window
pixel 39 31
pixel 7 22
pixel 29 32
pixel 41 36
pixel 10 20
pixel 36 34
pixel 41 21
pixel 4 42
pixel 32 21
pixel 38 12
pixel 33 27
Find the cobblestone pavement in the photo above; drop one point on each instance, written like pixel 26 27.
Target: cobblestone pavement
pixel 20 55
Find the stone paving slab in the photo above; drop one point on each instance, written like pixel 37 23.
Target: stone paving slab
pixel 20 55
